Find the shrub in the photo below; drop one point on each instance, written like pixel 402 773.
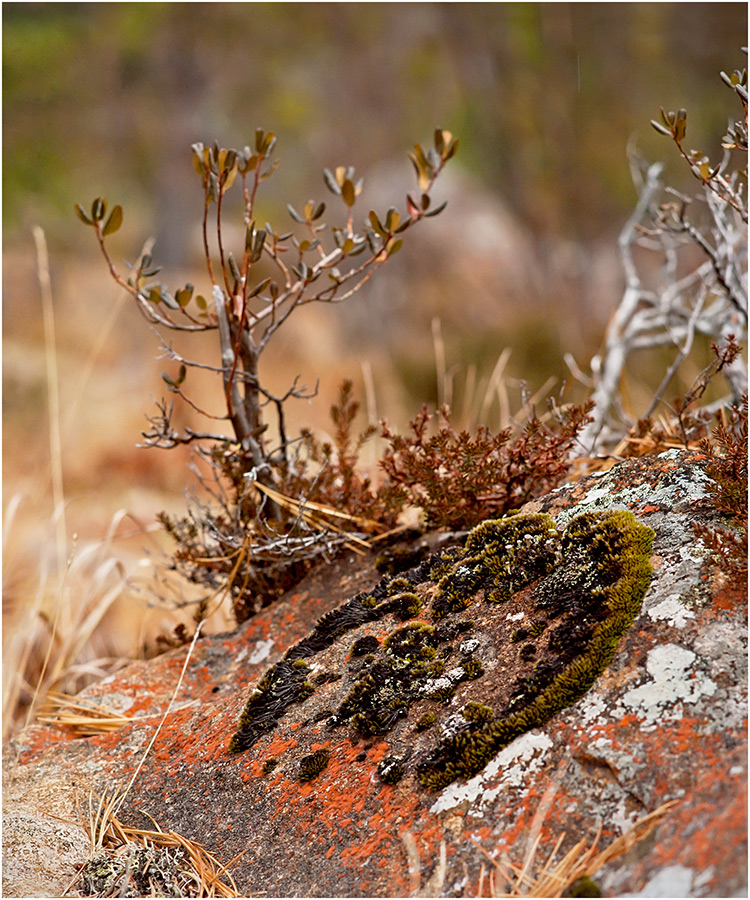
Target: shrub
pixel 255 532
pixel 459 478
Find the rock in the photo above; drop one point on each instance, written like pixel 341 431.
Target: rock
pixel 375 737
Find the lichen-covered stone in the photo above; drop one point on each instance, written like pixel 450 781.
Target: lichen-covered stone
pixel 631 716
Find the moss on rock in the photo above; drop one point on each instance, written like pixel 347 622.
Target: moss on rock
pixel 582 590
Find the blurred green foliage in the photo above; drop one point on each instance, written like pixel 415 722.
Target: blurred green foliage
pixel 544 96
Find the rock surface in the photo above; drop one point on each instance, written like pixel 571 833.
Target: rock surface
pixel 331 791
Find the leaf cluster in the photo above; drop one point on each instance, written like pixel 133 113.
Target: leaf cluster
pixel 714 177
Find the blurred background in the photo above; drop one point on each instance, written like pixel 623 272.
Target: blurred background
pixel 105 99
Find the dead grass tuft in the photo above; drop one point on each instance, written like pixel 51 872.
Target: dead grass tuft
pixel 116 864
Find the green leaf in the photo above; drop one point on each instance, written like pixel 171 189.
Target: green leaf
pixel 259 287
pixel 270 171
pixel 392 220
pixel 375 222
pixel 231 175
pixel 260 238
pixel 234 267
pixel 174 383
pixel 183 295
pixel 200 302
pixel 82 215
pixel 438 209
pixel 319 210
pixel 680 125
pixel 113 222
pixel 348 192
pixel 394 247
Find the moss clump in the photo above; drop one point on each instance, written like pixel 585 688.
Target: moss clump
pixel 407 605
pixel 284 684
pixel 270 764
pixel 311 766
pixel 585 886
pixel 527 652
pixel 364 645
pixel 425 721
pixel 397 586
pixel 409 640
pixel 616 575
pixel 385 690
pixel 391 769
pixel 500 557
pixel 477 713
pixel 473 668
pixel 327 677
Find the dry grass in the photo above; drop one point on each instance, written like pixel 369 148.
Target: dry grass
pixel 552 878
pixel 196 871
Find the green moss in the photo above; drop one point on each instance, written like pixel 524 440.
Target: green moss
pixel 619 569
pixel 473 668
pixel 410 639
pixel 477 713
pixel 425 721
pixel 397 586
pixel 585 886
pixel 311 766
pixel 500 557
pixel 586 584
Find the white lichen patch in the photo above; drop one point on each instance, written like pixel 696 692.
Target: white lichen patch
pixel 671 881
pixel 516 762
pixel 261 651
pixel 592 708
pixel 673 682
pixel 672 611
pixel 443 682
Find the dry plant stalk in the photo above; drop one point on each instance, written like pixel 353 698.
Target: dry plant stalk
pixel 82 719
